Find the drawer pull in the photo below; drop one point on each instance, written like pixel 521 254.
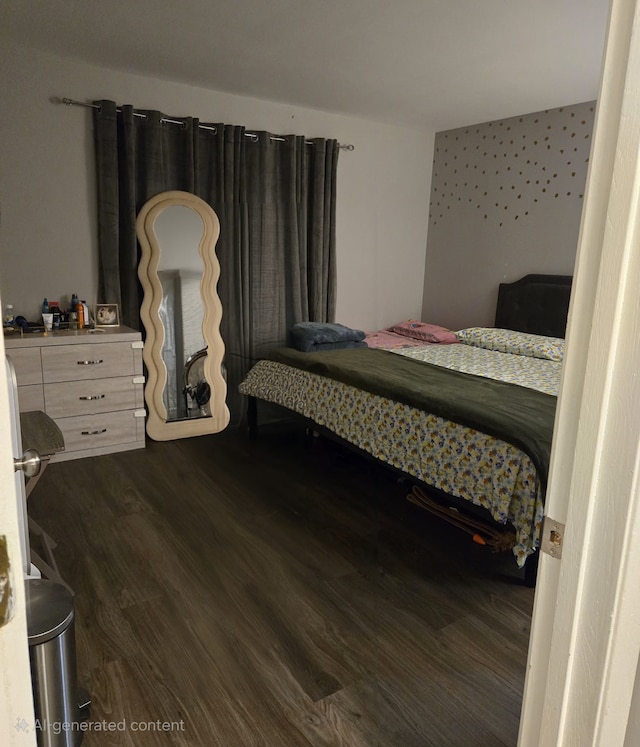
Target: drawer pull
pixel 89 363
pixel 92 396
pixel 94 433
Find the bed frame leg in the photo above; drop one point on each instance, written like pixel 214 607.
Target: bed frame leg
pixel 252 417
pixel 531 569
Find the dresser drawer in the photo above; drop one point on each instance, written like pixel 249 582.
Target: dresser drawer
pixel 90 383
pixel 26 362
pixel 95 431
pixel 30 398
pixel 70 398
pixel 82 362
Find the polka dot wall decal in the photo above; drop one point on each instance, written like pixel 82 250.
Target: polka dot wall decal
pixel 530 156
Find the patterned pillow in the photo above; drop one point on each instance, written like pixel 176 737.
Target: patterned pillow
pixel 425 332
pixel 517 343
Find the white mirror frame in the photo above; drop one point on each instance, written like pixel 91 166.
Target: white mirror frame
pixel 158 427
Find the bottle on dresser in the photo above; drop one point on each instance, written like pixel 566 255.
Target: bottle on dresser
pixel 86 314
pixel 80 313
pixel 54 308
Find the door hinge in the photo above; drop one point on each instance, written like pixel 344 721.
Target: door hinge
pixel 552 537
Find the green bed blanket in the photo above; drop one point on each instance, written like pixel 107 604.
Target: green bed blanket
pixel 520 416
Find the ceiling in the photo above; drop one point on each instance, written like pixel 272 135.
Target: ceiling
pixel 429 63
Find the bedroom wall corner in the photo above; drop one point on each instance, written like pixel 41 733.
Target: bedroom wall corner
pixel 506 200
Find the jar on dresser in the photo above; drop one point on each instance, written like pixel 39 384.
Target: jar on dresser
pixel 89 381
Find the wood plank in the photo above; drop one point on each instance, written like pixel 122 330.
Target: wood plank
pixel 281 591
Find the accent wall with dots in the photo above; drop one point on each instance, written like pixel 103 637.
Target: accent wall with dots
pixel 506 200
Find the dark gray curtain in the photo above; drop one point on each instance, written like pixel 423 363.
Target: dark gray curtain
pixel 276 204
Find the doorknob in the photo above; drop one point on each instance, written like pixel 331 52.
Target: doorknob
pixel 30 463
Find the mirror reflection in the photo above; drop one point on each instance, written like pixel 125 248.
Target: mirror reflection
pixel 186 387
pixel 179 231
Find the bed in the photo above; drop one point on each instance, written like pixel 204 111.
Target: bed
pixel 472 419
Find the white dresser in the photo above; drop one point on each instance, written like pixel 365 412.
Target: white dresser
pixel 90 382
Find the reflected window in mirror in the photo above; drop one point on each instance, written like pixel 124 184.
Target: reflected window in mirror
pixel 179 230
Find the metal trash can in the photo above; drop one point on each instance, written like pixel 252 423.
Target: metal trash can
pixel 52 652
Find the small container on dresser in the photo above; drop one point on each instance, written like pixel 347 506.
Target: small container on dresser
pixel 90 382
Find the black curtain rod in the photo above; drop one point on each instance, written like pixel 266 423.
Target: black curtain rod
pixel 252 135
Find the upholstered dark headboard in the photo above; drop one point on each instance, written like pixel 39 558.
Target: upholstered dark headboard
pixel 536 303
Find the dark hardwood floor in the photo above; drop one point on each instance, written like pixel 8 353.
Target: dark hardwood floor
pixel 280 592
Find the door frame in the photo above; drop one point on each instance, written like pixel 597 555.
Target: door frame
pixel 585 638
pixel 16 699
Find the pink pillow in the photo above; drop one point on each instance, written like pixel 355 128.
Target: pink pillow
pixel 425 332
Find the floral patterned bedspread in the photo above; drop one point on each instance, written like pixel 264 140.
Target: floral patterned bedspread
pixel 463 462
pixel 534 373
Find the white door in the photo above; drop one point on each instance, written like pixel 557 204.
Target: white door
pixel 16 701
pixel 18 475
pixel 585 639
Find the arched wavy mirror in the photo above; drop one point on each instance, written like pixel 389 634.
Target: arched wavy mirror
pixel 183 352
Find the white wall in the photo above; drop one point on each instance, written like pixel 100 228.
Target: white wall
pixel 47 198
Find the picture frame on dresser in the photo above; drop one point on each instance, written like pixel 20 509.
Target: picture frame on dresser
pixel 106 315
